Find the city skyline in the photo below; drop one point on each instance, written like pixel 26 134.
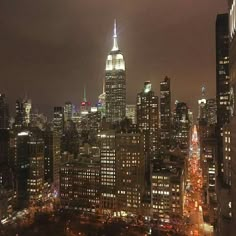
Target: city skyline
pixel 69 48
pixel 125 118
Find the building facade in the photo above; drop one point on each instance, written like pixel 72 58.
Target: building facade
pixel 165 112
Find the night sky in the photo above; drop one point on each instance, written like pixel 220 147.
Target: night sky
pixel 51 49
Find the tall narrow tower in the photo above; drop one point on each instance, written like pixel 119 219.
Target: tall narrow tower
pixel 115 83
pixel 165 110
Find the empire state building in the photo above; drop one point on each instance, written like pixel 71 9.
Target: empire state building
pixel 115 83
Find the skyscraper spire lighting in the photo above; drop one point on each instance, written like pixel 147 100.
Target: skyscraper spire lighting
pixel 115 44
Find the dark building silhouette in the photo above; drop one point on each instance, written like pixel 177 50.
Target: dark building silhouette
pixel 4 112
pixel 165 112
pixel 222 81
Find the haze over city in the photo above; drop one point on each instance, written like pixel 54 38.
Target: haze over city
pixel 60 46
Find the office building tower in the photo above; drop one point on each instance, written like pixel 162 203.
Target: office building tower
pixel 222 69
pixel 94 120
pixel 168 189
pixel 58 121
pixel 223 86
pixel 181 126
pixel 51 157
pixel 27 111
pixel 5 171
pixel 28 167
pixel 165 112
pixel 211 111
pixel 131 113
pixel 148 117
pixel 23 113
pixel 35 182
pixel 108 200
pixel 22 169
pixel 226 121
pixel 115 83
pixel 4 112
pixel 208 144
pixel 19 118
pixel 70 139
pixel 68 111
pixel 130 172
pixel 80 184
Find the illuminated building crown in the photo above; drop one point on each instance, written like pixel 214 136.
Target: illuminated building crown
pixel 115 60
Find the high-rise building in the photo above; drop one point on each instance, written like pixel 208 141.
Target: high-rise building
pixel 222 69
pixel 115 83
pixel 80 184
pixel 131 113
pixel 130 172
pixel 28 167
pixel 168 188
pixel 35 182
pixel 4 112
pixel 148 117
pixel 23 112
pixel 51 157
pixel 70 139
pixel 226 120
pixel 68 111
pixel 165 112
pixel 211 111
pixel 27 110
pixel 5 175
pixel 108 200
pixel 58 121
pixel 181 126
pixel 94 120
pixel 22 168
pixel 223 86
pixel 19 118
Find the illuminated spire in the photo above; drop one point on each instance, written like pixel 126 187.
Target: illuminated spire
pixel 85 99
pixel 115 44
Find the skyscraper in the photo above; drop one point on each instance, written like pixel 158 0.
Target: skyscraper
pixel 23 113
pixel 58 121
pixel 131 113
pixel 222 69
pixel 148 117
pixel 35 182
pixel 51 157
pixel 115 83
pixel 22 168
pixel 4 112
pixel 211 111
pixel 130 171
pixel 222 81
pixel 226 120
pixel 68 111
pixel 181 126
pixel 108 201
pixel 165 110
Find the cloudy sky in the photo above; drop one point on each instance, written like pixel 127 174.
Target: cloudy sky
pixel 51 49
